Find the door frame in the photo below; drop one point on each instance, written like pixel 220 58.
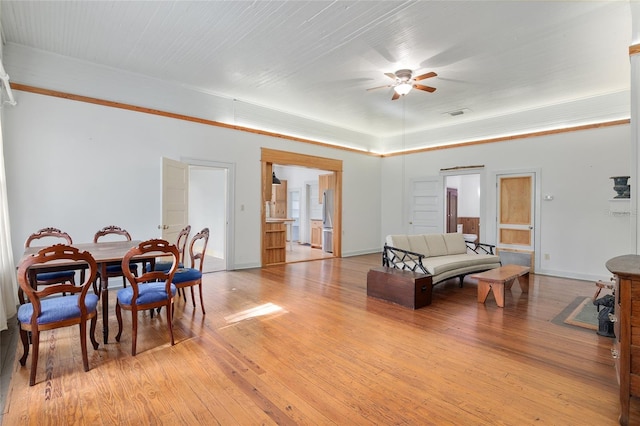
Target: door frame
pixel 492 208
pixel 229 203
pixel 483 236
pixel 269 157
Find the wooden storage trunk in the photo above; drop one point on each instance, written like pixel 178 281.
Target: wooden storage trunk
pixel 406 288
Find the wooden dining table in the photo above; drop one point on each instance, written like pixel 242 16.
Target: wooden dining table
pixel 105 254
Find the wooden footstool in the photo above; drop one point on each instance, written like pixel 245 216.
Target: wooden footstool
pixel 500 279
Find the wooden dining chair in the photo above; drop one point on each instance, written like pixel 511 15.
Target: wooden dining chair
pixel 181 243
pixel 150 290
pixel 191 277
pixel 46 237
pixel 114 270
pixel 46 312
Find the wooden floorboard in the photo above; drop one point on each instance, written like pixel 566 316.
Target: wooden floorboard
pixel 302 344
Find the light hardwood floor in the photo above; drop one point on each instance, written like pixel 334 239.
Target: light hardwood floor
pixel 302 344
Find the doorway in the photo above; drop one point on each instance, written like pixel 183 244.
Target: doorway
pixel 207 209
pixel 274 246
pixel 463 204
pixel 210 197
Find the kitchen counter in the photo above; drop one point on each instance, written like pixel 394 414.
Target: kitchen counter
pixel 278 219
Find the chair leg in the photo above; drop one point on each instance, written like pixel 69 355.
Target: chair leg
pixel 134 331
pixel 92 331
pixel 170 320
pixel 193 298
pixel 83 345
pixel 119 317
pixel 24 336
pixel 201 300
pixel 35 342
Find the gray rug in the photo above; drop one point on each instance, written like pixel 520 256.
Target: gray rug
pixel 580 313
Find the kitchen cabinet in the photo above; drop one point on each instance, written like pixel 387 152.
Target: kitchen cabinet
pixel 279 200
pixel 325 182
pixel 316 233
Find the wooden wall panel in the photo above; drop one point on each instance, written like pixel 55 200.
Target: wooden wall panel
pixel 470 225
pixel 515 236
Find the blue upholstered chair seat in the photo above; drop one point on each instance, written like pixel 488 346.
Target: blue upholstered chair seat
pixel 148 293
pixel 183 275
pixel 57 309
pixel 162 266
pixel 48 276
pixel 117 269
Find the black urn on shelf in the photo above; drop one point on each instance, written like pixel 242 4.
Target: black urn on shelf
pixel 621 187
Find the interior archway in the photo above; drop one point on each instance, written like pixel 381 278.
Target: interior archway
pixel 269 157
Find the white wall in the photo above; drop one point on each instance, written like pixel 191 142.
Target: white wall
pixel 469 196
pixel 576 228
pixel 79 167
pixel 468 186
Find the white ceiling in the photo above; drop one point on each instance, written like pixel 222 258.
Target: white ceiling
pixel 513 66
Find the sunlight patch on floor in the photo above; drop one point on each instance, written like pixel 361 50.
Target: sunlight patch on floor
pixel 258 311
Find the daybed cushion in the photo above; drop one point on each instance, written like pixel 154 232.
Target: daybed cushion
pixel 400 241
pixel 441 264
pixel 430 245
pixel 455 243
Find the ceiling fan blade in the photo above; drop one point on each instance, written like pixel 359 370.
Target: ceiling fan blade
pixel 395 96
pixel 427 75
pixel 425 88
pixel 379 87
pixel 391 75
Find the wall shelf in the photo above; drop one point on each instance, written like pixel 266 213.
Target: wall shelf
pixel 620 207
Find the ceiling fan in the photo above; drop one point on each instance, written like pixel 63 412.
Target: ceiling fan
pixel 404 82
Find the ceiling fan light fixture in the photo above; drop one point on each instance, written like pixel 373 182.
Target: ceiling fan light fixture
pixel 402 88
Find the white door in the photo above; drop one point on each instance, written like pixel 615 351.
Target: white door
pixel 175 198
pixel 516 211
pixel 425 206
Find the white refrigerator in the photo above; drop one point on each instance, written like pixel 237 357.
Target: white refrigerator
pixel 327 221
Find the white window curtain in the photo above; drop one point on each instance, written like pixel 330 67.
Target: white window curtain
pixel 8 283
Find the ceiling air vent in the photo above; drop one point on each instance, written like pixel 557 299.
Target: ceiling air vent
pixel 457 112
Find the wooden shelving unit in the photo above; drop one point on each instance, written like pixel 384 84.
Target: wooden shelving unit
pixel 275 241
